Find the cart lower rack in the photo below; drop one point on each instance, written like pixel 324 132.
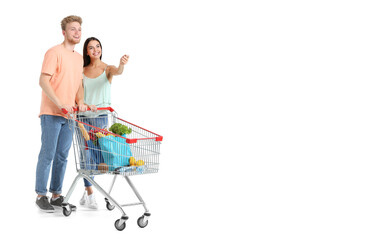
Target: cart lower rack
pixel 106 144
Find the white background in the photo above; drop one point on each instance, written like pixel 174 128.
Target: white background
pixel 274 116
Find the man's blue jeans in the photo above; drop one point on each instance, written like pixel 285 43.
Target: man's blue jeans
pixel 56 139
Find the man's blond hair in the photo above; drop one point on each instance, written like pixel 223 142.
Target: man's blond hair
pixel 70 19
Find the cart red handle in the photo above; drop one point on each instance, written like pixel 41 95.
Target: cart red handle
pixel 75 109
pixel 157 137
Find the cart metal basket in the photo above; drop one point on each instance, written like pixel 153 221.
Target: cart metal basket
pixel 103 143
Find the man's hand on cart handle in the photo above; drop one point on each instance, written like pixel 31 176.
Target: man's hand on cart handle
pixel 66 108
pixel 82 107
pixel 92 108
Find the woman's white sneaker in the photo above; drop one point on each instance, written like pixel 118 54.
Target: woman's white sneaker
pixel 91 201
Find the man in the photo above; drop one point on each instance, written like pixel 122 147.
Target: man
pixel 61 83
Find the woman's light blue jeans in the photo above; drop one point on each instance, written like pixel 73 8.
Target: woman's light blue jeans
pixel 93 154
pixel 56 139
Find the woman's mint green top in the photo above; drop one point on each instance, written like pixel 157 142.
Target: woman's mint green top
pixel 97 91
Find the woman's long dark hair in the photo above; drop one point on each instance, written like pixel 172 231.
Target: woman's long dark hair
pixel 85 52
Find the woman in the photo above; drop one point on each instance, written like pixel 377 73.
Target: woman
pixel 97 80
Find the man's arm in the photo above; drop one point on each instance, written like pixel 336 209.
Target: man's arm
pixel 44 82
pixel 80 99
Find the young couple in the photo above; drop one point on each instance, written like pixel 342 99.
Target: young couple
pixel 67 80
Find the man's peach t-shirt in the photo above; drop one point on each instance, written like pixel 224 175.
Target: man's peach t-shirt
pixel 66 68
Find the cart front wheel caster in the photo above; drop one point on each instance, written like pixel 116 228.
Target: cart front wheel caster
pixel 66 212
pixel 120 227
pixel 142 222
pixel 67 209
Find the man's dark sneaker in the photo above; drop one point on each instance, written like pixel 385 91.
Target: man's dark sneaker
pixel 44 205
pixel 58 203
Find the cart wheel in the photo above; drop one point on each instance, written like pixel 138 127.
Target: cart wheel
pixel 142 223
pixel 110 207
pixel 66 212
pixel 120 228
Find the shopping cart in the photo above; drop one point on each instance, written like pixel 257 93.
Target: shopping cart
pixel 98 150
